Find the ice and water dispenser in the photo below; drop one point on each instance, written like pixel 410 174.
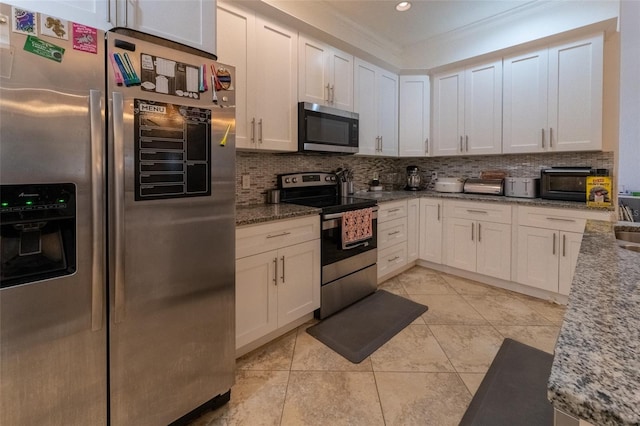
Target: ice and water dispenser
pixel 37 232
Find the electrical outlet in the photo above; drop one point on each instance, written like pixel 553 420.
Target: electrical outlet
pixel 434 175
pixel 246 182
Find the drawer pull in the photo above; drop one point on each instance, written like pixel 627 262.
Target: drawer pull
pixel 393 259
pixel 394 210
pixel 393 233
pixel 559 219
pixel 477 211
pixel 278 235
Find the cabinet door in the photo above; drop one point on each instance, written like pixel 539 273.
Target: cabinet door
pixel 298 281
pixel 431 230
pixel 493 249
pixel 413 229
pixel 525 103
pixel 256 293
pixel 460 243
pixel 192 23
pixel 448 113
pixel 364 103
pixel 236 38
pixel 569 248
pixel 341 77
pixel 537 258
pixel 575 95
pixel 94 13
pixel 313 72
pixel 275 92
pixel 387 101
pixel 414 116
pixel 483 109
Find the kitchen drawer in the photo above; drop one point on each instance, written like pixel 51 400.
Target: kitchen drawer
pixel 392 210
pixel 391 259
pixel 254 239
pixel 560 219
pixel 488 212
pixel 392 232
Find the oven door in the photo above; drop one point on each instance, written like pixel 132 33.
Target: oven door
pixel 337 261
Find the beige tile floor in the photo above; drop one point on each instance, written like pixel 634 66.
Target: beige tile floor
pixel 425 375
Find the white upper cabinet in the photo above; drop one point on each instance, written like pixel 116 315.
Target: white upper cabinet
pixel 325 75
pixel 467 111
pixel 265 56
pixel 95 13
pixel 376 102
pixel 190 22
pixel 414 116
pixel 553 98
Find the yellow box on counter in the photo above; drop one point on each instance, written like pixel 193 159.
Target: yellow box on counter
pixel 598 191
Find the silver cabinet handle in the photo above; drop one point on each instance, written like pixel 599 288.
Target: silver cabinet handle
pixel 554 243
pixel 559 219
pixel 426 145
pixel 97 215
pixel 278 235
pixel 438 212
pixel 282 270
pixel 333 94
pixel 380 143
pixel 543 138
pixel 479 232
pixel 328 99
pixel 564 245
pixel 253 130
pixel 394 210
pixel 550 137
pixel 275 273
pixel 472 230
pixel 260 131
pixel 466 142
pixel 461 147
pixel 477 211
pixel 118 206
pixel 393 259
pixel 393 233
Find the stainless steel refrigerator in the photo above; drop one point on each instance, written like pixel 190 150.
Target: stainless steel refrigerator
pixel 117 226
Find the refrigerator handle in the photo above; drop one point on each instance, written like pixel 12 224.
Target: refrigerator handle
pixel 97 210
pixel 118 205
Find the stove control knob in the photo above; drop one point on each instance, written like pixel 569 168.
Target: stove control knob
pixel 327 178
pixel 294 180
pixel 287 180
pixel 333 178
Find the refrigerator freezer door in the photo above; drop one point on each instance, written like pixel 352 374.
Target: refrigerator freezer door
pixel 172 252
pixel 53 332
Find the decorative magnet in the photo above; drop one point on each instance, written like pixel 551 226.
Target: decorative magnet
pixel 224 77
pixel 24 21
pixel 54 27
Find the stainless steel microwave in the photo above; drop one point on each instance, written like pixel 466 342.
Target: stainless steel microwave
pixel 326 129
pixel 567 183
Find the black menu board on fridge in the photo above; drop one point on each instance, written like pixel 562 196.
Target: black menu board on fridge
pixel 172 150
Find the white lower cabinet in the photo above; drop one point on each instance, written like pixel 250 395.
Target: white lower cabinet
pixel 277 286
pixel 548 243
pixel 392 237
pixel 430 231
pixel 477 238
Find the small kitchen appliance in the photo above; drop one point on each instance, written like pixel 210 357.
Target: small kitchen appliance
pixel 413 178
pixel 448 185
pixel 521 187
pixel 567 183
pixel 484 186
pixel 325 129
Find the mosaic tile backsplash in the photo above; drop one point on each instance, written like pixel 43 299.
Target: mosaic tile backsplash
pixel 263 168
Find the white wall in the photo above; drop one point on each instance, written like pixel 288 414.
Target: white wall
pixel 629 148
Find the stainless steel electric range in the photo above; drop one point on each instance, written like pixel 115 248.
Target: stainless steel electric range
pixel 349 271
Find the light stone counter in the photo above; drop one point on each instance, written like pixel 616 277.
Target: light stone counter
pixel 596 366
pixel 247 215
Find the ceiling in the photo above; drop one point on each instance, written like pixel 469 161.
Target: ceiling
pixel 425 19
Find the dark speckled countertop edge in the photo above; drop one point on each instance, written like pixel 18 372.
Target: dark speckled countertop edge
pixel 596 367
pixel 258 213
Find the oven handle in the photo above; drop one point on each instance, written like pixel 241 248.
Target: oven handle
pixel 339 215
pixel 362 244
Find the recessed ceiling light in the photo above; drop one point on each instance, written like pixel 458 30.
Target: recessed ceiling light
pixel 403 6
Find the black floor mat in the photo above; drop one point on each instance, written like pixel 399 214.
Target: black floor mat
pixel 358 330
pixel 514 390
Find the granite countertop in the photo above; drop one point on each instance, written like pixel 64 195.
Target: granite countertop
pixel 385 196
pixel 596 365
pixel 247 215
